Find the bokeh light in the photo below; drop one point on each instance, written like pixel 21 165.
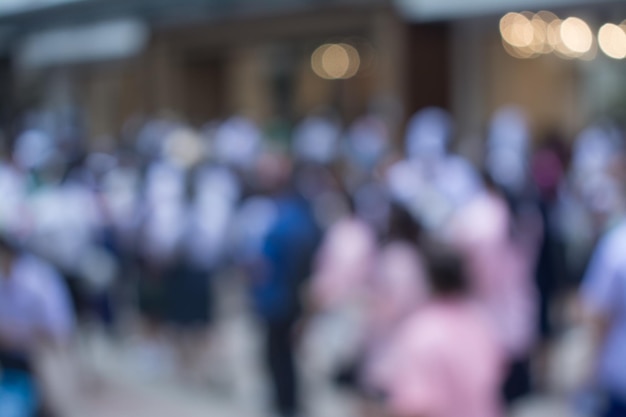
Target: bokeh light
pixel 354 60
pixel 528 35
pixel 316 61
pixel 540 42
pixel 576 36
pixel 335 61
pixel 556 42
pixel 516 30
pixel 612 41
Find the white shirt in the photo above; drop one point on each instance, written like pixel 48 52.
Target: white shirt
pixel 66 218
pixel 604 291
pixel 121 193
pixel 34 300
pixel 166 210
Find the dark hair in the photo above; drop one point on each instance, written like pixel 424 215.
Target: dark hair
pixel 446 269
pixel 403 225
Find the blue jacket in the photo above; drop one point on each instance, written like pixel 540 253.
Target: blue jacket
pixel 288 252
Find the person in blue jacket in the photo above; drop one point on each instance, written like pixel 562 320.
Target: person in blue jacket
pixel 286 259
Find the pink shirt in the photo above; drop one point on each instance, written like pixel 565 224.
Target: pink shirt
pixel 444 361
pixel 397 287
pixel 344 264
pixel 500 270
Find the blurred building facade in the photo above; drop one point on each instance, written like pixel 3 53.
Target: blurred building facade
pixel 107 62
pixel 200 60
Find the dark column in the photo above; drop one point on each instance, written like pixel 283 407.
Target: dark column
pixel 428 62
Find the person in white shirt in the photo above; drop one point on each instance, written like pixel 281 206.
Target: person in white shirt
pixel 35 306
pixel 35 315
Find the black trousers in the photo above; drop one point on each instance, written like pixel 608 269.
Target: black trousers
pixel 518 382
pixel 280 361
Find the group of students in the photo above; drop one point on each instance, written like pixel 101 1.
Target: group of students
pixel 454 271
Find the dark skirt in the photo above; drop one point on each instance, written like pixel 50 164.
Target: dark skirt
pixel 188 296
pixel 151 297
pixel 616 407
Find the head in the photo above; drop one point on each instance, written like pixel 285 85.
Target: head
pixel 273 172
pixel 316 139
pixel 508 143
pixel 597 170
pixel 429 133
pixel 445 269
pixel 403 225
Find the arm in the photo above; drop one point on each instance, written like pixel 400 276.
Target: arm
pixel 599 300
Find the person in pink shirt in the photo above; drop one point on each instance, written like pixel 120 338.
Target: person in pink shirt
pixel 396 288
pixel 344 262
pixel 384 282
pixel 500 269
pixel 445 359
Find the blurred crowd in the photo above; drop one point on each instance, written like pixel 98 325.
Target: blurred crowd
pixel 460 272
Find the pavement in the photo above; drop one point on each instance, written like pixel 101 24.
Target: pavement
pixel 128 377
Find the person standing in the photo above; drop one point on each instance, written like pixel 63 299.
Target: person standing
pixel 445 360
pixel 598 169
pixel 287 254
pixel 604 300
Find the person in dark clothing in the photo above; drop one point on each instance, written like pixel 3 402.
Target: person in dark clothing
pixel 287 257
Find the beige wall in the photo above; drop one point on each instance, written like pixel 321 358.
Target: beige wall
pixel 547 88
pixel 245 49
pixel 247 90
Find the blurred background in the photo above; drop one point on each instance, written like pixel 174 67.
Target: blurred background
pixel 312 208
pixel 97 65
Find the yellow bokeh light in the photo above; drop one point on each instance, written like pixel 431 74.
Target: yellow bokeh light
pixel 528 35
pixel 316 61
pixel 612 40
pixel 335 61
pixel 555 41
pixel 576 36
pixel 554 33
pixel 354 60
pixel 517 30
pixel 540 42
